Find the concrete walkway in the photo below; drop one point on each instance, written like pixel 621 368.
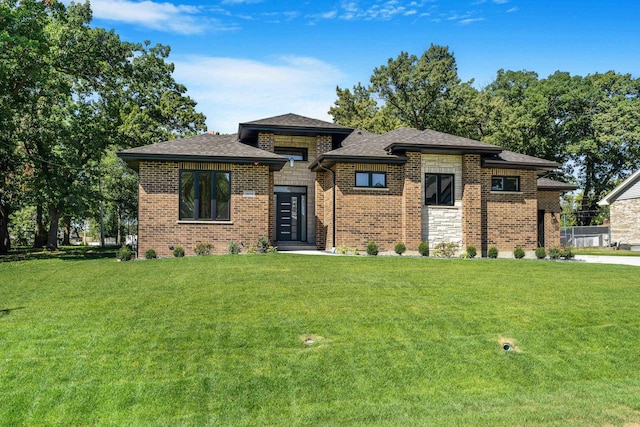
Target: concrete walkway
pixel 600 259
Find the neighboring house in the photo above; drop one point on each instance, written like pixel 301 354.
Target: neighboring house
pixel 624 211
pixel 298 180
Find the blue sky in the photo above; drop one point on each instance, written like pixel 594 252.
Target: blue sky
pixel 243 60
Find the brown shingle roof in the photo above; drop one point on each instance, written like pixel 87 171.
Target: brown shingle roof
pixel 294 121
pixel 432 141
pixel 205 147
pixel 550 184
pixel 507 159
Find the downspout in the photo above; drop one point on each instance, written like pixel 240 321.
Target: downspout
pixel 333 217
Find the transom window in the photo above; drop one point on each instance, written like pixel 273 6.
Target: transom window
pixel 292 153
pixel 505 183
pixel 438 189
pixel 205 195
pixel 371 179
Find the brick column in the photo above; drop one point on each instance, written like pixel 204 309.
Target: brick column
pixel 472 223
pixel 412 202
pixel 265 141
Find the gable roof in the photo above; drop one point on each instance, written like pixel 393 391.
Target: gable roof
pixel 619 191
pixel 292 124
pixel 203 148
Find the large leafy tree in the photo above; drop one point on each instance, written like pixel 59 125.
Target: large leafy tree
pixel 84 92
pixel 421 92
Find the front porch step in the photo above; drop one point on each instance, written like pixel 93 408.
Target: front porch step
pixel 295 246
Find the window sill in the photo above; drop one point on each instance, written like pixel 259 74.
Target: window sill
pixel 187 221
pixel 372 189
pixel 442 207
pixel 505 192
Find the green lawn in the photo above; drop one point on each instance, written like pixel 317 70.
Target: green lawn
pixel 396 341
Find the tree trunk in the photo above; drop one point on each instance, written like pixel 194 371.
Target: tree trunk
pixel 52 239
pixel 39 233
pixel 119 235
pixel 5 239
pixel 66 224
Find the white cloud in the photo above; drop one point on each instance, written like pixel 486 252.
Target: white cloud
pixel 513 9
pixel 181 19
pixel 233 90
pixel 468 21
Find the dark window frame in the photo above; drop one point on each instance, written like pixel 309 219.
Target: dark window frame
pixel 213 201
pixel 439 193
pixel 291 152
pixel 503 188
pixel 370 179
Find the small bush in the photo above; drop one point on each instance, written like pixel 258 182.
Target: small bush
pixel 423 248
pixel 202 249
pixel 492 252
pixel 342 249
pixel 465 255
pixel 567 253
pixel 233 248
pixel 372 248
pixel 272 250
pixel 554 253
pixel 471 251
pixel 445 249
pixel 178 252
pixel 541 253
pixel 355 251
pixel 518 253
pixel 125 254
pixel 251 250
pixel 400 248
pixel 263 245
pixel 150 254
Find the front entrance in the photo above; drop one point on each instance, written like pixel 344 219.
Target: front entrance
pixel 291 214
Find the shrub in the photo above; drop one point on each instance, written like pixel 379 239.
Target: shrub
pixel 372 248
pixel 554 253
pixel 272 250
pixel 471 251
pixel 492 252
pixel 423 248
pixel 518 252
pixel 445 249
pixel 566 253
pixel 343 249
pixel 125 254
pixel 263 245
pixel 251 250
pixel 541 253
pixel 355 251
pixel 202 249
pixel 178 252
pixel 400 248
pixel 150 254
pixel 233 248
pixel 465 255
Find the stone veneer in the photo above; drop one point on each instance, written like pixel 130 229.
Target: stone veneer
pixel 624 216
pixel 442 223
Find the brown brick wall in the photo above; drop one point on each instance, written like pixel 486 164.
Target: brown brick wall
pixel 368 214
pixel 412 201
pixel 512 218
pixel 549 201
pixel 474 230
pixel 159 227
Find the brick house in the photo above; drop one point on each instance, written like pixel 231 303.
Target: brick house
pixel 298 180
pixel 624 212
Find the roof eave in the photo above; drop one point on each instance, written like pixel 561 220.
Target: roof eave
pixel 446 149
pixel 502 164
pixel 133 160
pixel 326 161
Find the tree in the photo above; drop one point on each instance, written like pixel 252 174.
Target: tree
pixel 423 93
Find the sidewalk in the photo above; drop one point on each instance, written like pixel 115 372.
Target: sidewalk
pixel 600 259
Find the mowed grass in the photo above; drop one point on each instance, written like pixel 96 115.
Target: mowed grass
pixel 396 341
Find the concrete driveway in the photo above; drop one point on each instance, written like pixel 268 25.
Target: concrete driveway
pixel 598 259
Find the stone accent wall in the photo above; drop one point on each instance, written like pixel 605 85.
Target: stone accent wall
pixel 512 217
pixel 625 221
pixel 300 175
pixel 549 201
pixel 364 214
pixel 159 225
pixel 442 223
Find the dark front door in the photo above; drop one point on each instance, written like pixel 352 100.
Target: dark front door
pixel 289 216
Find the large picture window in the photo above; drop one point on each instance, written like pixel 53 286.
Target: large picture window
pixel 505 183
pixel 438 189
pixel 371 179
pixel 205 195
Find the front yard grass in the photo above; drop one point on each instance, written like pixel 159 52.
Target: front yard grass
pixel 307 340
